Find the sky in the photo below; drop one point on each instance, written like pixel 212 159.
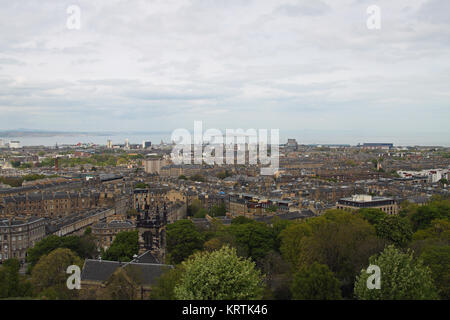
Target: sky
pixel 312 69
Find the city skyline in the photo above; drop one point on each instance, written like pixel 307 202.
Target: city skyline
pixel 306 137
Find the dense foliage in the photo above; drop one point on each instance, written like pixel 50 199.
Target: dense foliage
pixel 83 246
pixel 315 282
pixel 49 276
pixel 219 275
pixel 402 278
pixel 123 248
pixel 334 246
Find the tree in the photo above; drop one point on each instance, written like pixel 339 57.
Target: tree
pixel 437 258
pixel 122 285
pixel 83 246
pixel 402 278
pixel 124 247
pixel 194 207
pixel 218 210
pixel 201 213
pixel 49 276
pixel 183 239
pixel 422 216
pixel 15 164
pixel 277 276
pixel 315 282
pixel 396 229
pixel 43 247
pixel 254 240
pixel 373 216
pixel 164 288
pixel 219 275
pixel 141 185
pixel 292 240
pixel 88 231
pixel 197 177
pixel 439 229
pixel 341 240
pixel 241 220
pixel 278 225
pixel 12 284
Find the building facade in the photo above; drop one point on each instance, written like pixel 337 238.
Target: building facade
pixel 18 235
pixel 356 202
pixel 105 233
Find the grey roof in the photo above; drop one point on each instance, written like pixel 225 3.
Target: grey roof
pixel 14 222
pixel 98 270
pixel 113 224
pixel 147 257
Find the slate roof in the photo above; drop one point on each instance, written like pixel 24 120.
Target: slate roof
pixel 101 270
pixel 147 257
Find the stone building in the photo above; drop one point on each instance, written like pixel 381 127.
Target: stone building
pixel 105 233
pixel 50 205
pixel 18 235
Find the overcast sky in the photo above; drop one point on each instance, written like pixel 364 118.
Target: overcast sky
pixel 301 66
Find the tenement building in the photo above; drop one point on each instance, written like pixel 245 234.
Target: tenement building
pixel 105 233
pixel 19 234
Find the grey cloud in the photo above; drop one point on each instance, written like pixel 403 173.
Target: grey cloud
pixel 308 8
pixel 11 61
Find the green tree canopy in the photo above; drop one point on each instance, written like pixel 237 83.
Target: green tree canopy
pixel 218 210
pixel 11 283
pixel 141 185
pixel 396 229
pixel 124 247
pixel 194 207
pixel 437 258
pixel 183 239
pixel 253 240
pixel 201 213
pixel 341 240
pixel 439 229
pixel 373 216
pixel 278 225
pixel 122 285
pixel 241 220
pixel 315 282
pixel 83 246
pixel 219 275
pixel 49 277
pixel 424 215
pixel 402 278
pixel 166 283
